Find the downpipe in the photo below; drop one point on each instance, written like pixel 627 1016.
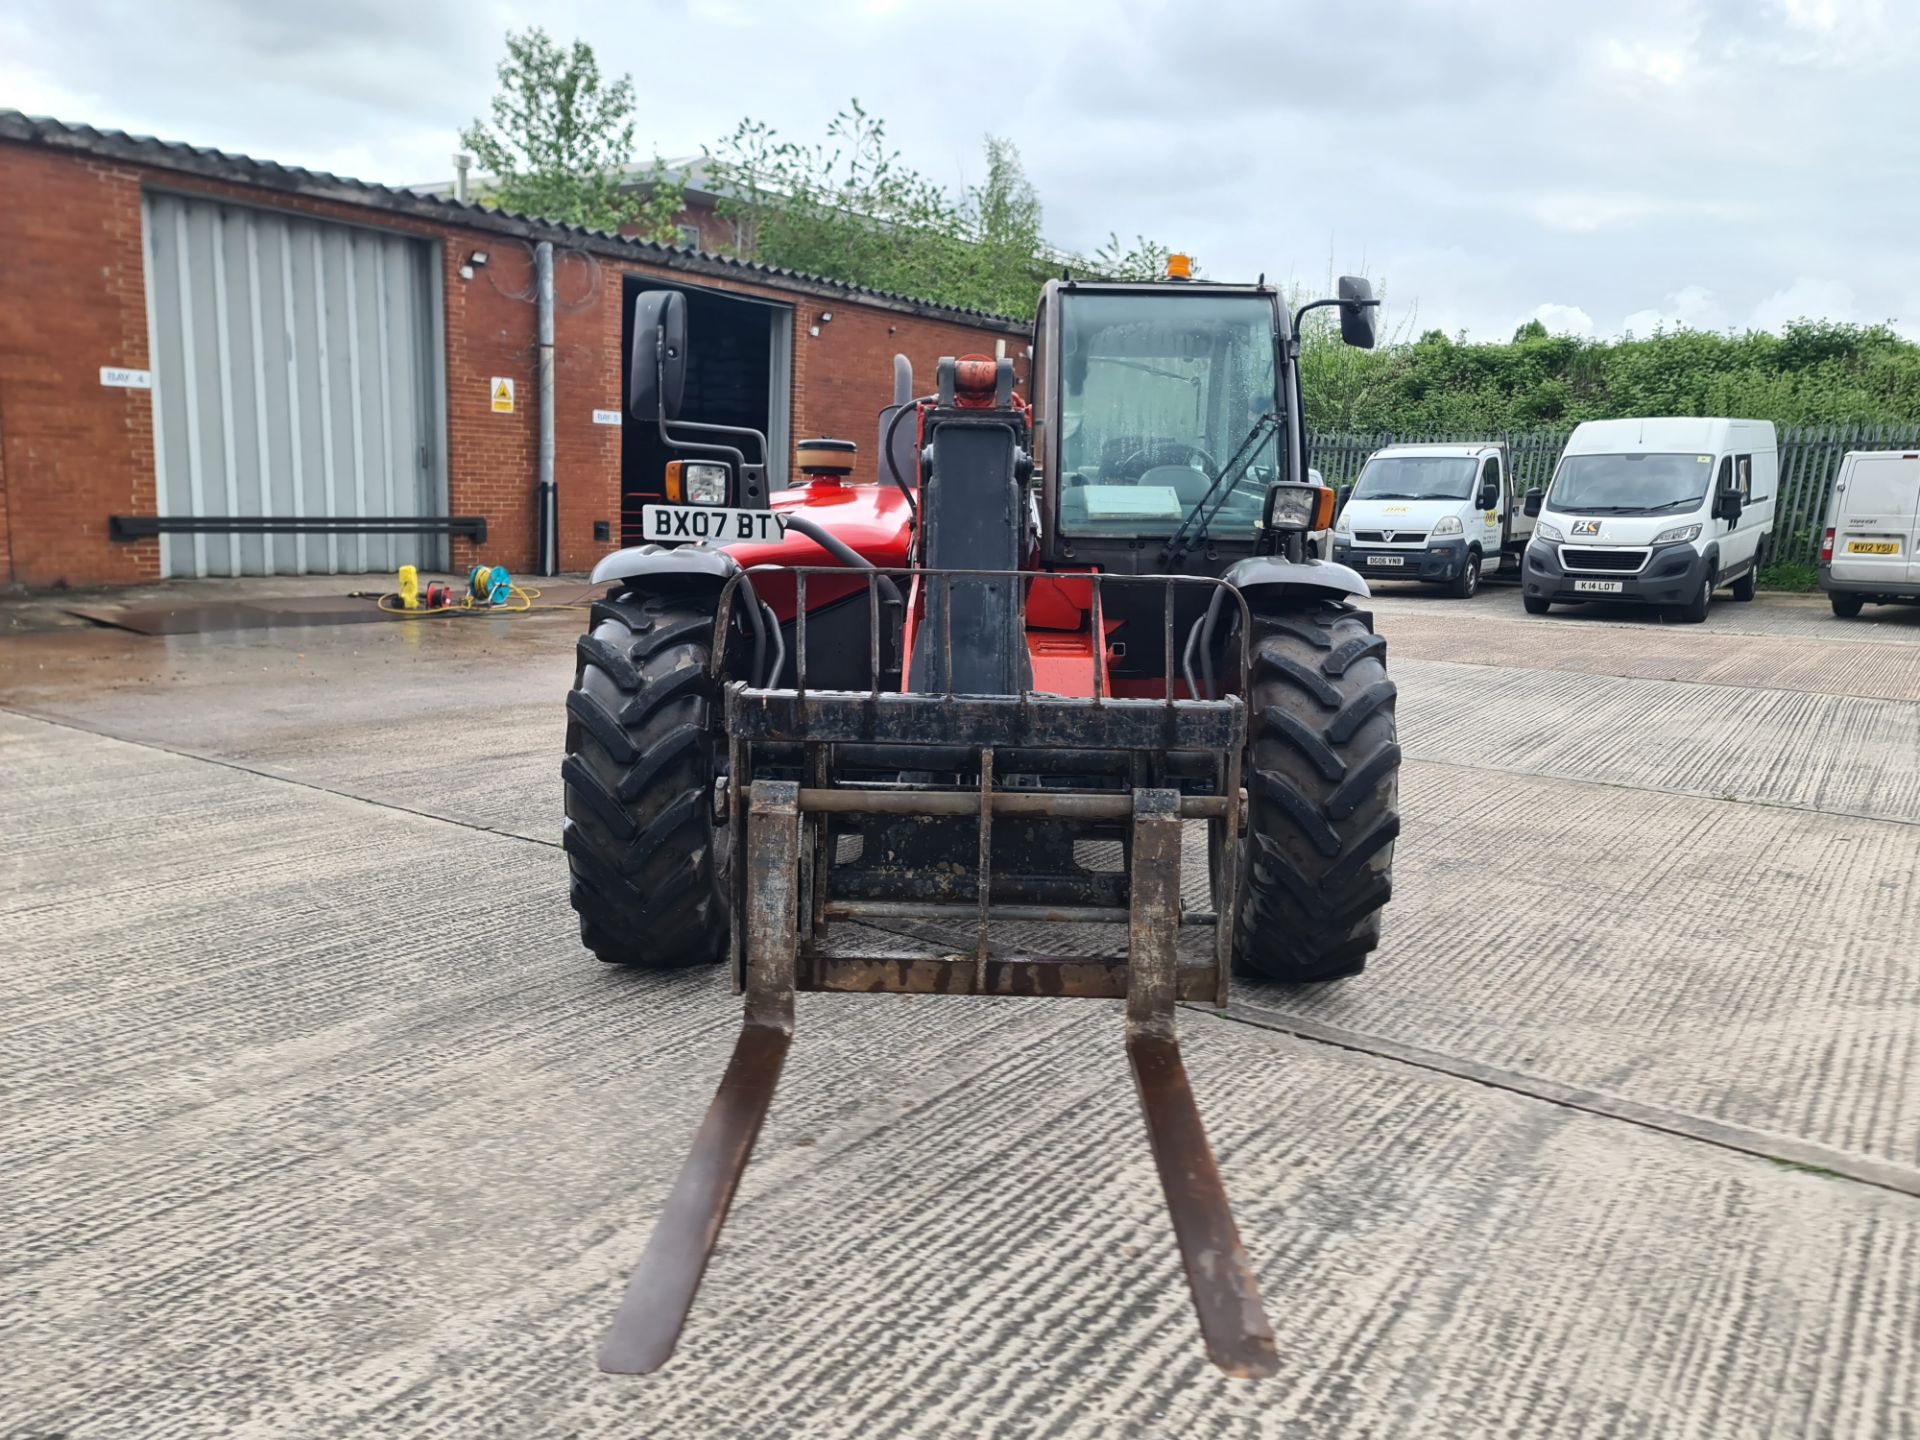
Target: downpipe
pixel 546 500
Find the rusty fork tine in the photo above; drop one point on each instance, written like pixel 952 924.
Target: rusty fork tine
pixel 661 1292
pixel 1226 1298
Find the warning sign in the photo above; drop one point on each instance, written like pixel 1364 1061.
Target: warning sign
pixel 502 395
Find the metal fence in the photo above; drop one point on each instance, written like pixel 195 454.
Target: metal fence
pixel 1809 461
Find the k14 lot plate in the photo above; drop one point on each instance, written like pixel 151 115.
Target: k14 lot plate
pixel 1597 587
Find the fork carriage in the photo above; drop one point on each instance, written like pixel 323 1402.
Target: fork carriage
pixel 950 809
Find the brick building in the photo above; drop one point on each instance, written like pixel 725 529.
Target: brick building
pixel 189 333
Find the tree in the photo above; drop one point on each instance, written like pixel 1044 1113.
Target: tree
pixel 850 208
pixel 847 208
pixel 1143 260
pixel 559 141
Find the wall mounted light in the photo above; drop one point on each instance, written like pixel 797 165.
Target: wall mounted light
pixel 478 257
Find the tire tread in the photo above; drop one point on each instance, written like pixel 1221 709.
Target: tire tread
pixel 647 872
pixel 1322 795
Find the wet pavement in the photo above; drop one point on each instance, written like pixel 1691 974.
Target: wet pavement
pixel 321 1123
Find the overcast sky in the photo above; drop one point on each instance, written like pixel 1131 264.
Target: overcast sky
pixel 1604 166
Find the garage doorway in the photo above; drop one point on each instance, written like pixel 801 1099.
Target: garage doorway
pixel 739 372
pixel 297 373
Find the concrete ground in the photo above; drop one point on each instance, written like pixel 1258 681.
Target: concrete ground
pixel 319 1122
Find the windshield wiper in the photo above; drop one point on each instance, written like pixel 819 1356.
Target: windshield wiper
pixel 1242 457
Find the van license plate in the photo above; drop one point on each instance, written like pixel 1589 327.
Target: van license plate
pixel 1386 559
pixel 1597 587
pixel 713 523
pixel 1873 547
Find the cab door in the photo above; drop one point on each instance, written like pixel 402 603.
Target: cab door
pixel 1742 544
pixel 1876 520
pixel 1491 518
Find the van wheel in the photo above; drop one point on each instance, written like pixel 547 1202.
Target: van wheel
pixel 1466 584
pixel 1845 606
pixel 1536 604
pixel 1695 611
pixel 1744 587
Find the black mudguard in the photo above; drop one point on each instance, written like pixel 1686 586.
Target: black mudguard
pixel 643 566
pixel 1277 575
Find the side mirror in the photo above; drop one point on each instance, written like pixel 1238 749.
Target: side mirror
pixel 1534 500
pixel 1356 311
pixel 657 370
pixel 1489 495
pixel 1727 506
pixel 1340 498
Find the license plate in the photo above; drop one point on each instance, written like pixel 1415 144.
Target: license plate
pixel 1873 547
pixel 713 523
pixel 1597 587
pixel 1386 559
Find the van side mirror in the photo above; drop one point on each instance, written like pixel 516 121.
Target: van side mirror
pixel 1535 498
pixel 1356 311
pixel 1489 495
pixel 657 370
pixel 1727 506
pixel 1340 498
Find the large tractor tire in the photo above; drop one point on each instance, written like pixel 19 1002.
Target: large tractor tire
pixel 649 864
pixel 1322 795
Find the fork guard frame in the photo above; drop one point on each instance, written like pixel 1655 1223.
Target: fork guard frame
pixel 781 908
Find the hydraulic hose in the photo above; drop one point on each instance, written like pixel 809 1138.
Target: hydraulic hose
pixel 886 444
pixel 842 552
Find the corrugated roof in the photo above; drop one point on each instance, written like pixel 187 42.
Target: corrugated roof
pixel 291 179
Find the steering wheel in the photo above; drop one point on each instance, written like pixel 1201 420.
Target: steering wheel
pixel 1150 457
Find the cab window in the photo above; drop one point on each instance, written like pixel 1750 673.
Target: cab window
pixel 1038 378
pixel 1491 475
pixel 1743 475
pixel 1161 396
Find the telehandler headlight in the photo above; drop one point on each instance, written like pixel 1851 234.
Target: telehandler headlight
pixel 1297 507
pixel 696 482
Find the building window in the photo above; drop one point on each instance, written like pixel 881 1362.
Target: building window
pixel 687 236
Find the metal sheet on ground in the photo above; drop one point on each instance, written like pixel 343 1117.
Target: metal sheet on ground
pixel 257 615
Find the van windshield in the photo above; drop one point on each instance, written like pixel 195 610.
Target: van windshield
pixel 1629 484
pixel 1416 477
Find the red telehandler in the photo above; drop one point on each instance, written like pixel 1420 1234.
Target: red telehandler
pixel 1090 617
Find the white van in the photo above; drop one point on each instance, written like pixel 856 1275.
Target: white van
pixel 1441 513
pixel 1658 511
pixel 1871 550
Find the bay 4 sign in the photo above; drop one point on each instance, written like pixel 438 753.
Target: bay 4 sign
pixel 713 523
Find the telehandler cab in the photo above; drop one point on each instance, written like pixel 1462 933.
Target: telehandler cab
pixel 1088 618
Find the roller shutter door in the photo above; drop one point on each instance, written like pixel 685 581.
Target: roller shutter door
pixel 295 374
